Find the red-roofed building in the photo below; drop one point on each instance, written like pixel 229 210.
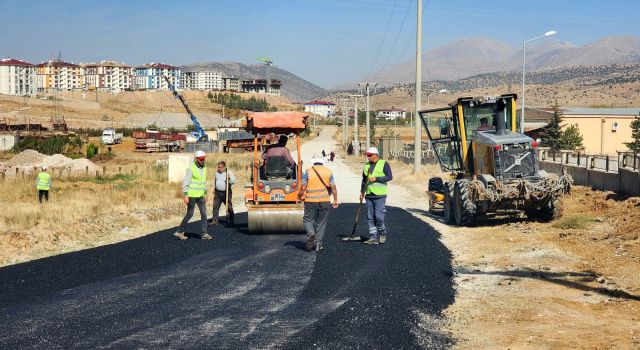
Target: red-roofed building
pixel 58 75
pixel 391 113
pixel 107 76
pixel 323 108
pixel 17 77
pixel 149 76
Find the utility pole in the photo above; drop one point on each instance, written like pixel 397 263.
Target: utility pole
pixel 345 122
pixel 356 141
pixel 368 125
pixel 223 111
pixel 417 159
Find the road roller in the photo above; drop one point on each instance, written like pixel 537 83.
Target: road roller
pixel 271 196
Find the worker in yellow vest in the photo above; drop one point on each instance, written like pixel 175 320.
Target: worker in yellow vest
pixel 43 184
pixel 375 175
pixel 194 187
pixel 318 185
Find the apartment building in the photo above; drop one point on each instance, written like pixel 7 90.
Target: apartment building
pixel 17 77
pixel 149 76
pixel 231 84
pixel 58 75
pixel 323 108
pixel 260 86
pixel 107 76
pixel 201 80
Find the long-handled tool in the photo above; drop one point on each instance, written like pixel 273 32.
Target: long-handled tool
pixel 353 236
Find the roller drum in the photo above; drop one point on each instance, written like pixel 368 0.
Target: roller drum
pixel 275 219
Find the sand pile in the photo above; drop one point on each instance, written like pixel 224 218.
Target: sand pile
pixel 27 160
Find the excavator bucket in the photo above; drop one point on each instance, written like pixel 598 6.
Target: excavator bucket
pixel 275 218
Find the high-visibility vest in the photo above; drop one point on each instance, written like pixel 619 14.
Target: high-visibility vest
pixel 316 190
pixel 43 181
pixel 198 184
pixel 376 188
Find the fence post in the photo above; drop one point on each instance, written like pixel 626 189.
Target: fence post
pixel 635 162
pixel 104 170
pixel 3 176
pixel 119 169
pixel 86 170
pixel 97 173
pixel 578 159
pixel 553 155
pixel 17 171
pixel 607 160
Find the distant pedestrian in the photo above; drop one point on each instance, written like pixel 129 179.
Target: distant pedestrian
pixel 194 187
pixel 332 156
pixel 324 154
pixel 224 180
pixel 376 174
pixel 318 185
pixel 43 184
pixel 350 149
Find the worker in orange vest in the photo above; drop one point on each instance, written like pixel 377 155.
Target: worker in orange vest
pixel 318 185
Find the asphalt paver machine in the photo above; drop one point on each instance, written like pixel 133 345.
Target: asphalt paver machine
pixel 493 168
pixel 271 196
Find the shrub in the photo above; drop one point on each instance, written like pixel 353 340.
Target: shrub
pixel 579 222
pixel 92 150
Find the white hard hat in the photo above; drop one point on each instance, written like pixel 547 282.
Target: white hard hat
pixel 44 167
pixel 372 150
pixel 317 160
pixel 199 154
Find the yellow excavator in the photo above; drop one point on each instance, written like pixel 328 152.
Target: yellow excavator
pixel 493 168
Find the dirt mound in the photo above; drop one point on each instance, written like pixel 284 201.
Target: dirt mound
pixel 27 160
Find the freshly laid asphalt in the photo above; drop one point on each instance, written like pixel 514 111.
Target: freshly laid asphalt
pixel 238 291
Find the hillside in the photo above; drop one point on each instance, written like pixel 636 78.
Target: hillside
pixel 294 87
pixel 472 56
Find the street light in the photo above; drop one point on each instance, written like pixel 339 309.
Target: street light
pixel 434 93
pixel 524 56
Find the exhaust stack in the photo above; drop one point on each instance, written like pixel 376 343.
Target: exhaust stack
pixel 500 122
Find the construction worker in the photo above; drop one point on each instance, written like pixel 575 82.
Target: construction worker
pixel 194 187
pixel 43 184
pixel 224 180
pixel 318 185
pixel 376 174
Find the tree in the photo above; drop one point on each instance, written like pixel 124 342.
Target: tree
pixel 553 131
pixel 571 138
pixel 634 145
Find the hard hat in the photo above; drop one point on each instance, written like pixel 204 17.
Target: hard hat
pixel 199 154
pixel 44 167
pixel 317 160
pixel 372 150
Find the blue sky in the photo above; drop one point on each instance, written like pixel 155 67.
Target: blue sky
pixel 329 42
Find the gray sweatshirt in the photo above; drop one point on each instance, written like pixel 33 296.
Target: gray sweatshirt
pixel 187 180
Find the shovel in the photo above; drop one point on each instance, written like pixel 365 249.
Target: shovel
pixel 353 236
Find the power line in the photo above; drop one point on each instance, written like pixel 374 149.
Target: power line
pixel 395 41
pixel 395 2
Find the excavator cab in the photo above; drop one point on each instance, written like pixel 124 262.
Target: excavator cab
pixel 271 197
pixel 493 167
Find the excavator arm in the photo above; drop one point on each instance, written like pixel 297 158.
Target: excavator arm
pixel 202 136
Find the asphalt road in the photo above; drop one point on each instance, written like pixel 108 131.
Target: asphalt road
pixel 237 291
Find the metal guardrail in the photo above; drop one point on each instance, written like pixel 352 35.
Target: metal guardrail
pixel 608 163
pixel 427 156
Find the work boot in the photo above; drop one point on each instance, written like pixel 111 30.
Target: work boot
pixel 206 237
pixel 212 221
pixel 351 238
pixel 180 235
pixel 319 247
pixel 311 241
pixel 372 240
pixel 382 239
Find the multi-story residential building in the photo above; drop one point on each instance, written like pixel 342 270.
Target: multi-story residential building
pixel 107 76
pixel 17 77
pixel 58 75
pixel 201 80
pixel 323 108
pixel 149 76
pixel 392 113
pixel 231 84
pixel 260 86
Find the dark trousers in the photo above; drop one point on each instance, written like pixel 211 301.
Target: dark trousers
pixel 220 197
pixel 43 193
pixel 202 206
pixel 315 219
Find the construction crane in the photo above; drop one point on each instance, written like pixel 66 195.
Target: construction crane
pixel 268 62
pixel 200 134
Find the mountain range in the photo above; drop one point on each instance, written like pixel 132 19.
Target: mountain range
pixel 472 56
pixel 294 87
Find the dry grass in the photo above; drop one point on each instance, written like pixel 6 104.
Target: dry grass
pixel 88 212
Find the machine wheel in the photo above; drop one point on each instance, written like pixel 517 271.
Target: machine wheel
pixel 552 210
pixel 465 207
pixel 449 199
